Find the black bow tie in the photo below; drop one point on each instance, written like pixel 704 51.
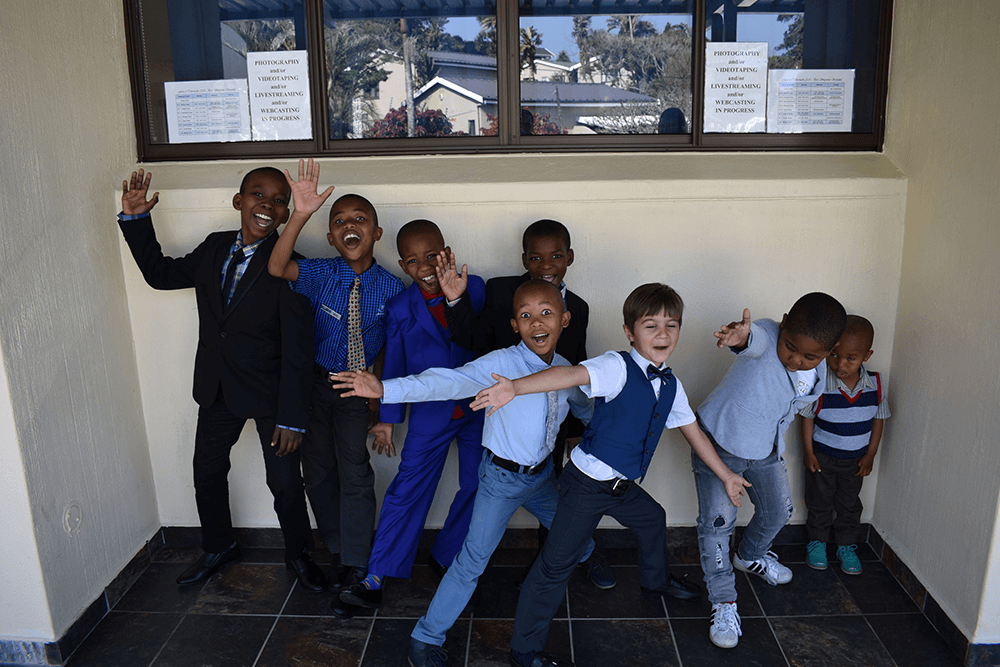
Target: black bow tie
pixel 652 372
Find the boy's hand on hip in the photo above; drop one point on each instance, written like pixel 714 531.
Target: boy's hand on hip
pixel 134 194
pixel 357 383
pixel 494 397
pixel 286 441
pixel 735 334
pixel 305 195
pixel 734 489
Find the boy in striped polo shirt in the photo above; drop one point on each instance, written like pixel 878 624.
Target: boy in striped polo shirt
pixel 840 437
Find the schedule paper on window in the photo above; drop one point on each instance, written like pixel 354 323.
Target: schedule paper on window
pixel 810 100
pixel 201 111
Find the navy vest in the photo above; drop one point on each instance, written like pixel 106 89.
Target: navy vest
pixel 624 433
pixel 846 423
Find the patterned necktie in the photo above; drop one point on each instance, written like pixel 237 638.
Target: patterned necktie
pixel 355 343
pixel 551 417
pixel 227 283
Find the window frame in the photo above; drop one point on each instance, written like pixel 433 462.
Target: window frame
pixel 508 138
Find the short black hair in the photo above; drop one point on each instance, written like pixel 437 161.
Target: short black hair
pixel 818 316
pixel 861 328
pixel 545 228
pixel 536 284
pixel 371 207
pixel 416 227
pixel 277 173
pixel 652 299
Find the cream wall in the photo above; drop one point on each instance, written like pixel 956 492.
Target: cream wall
pixel 727 232
pixel 937 498
pixel 74 418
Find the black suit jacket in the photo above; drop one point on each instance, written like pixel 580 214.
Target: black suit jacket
pixel 259 348
pixel 494 321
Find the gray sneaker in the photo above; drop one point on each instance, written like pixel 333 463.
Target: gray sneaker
pixel 725 630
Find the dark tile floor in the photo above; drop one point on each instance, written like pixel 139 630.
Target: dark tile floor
pixel 254 614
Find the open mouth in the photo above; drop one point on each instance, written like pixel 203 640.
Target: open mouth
pixel 540 338
pixel 351 240
pixel 262 221
pixel 549 278
pixel 430 281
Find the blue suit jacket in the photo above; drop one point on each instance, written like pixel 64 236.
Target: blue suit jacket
pixel 415 342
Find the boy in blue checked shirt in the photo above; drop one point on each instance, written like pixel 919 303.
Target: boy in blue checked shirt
pixel 348 295
pixel 840 437
pixel 516 469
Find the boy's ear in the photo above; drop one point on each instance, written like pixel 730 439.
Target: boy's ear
pixel 513 325
pixel 237 200
pixel 565 318
pixel 524 260
pixel 783 318
pixel 377 233
pixel 569 257
pixel 329 238
pixel 401 265
pixel 628 333
pixel 284 219
pixel 867 356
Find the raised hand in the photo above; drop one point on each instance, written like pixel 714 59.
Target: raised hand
pixel 735 334
pixel 453 283
pixel 305 191
pixel 383 439
pixel 358 383
pixel 134 195
pixel 494 397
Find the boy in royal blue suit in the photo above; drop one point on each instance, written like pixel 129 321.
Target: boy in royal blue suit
pixel 419 335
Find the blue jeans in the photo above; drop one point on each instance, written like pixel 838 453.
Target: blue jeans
pixel 500 493
pixel 772 503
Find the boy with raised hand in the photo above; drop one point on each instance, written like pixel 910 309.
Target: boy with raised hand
pixel 778 369
pixel 516 468
pixel 839 447
pixel 637 397
pixel 418 337
pixel 348 296
pixel 253 362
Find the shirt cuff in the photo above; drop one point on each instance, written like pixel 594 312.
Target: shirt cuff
pixel 391 392
pixel 451 304
pixel 292 428
pixel 124 217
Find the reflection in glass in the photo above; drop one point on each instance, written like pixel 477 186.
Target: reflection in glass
pixel 431 74
pixel 607 73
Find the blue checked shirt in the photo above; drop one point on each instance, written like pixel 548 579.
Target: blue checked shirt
pixel 241 268
pixel 327 284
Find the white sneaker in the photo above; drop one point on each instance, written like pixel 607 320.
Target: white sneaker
pixel 725 630
pixel 767 568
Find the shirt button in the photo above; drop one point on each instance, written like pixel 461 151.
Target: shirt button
pixel 656 415
pixel 223 334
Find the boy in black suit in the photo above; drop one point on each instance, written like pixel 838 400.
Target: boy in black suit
pixel 254 361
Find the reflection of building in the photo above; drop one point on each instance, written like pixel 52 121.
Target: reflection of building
pixel 465 89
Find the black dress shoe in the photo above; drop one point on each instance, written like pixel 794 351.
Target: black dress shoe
pixel 308 573
pixel 352 575
pixel 541 660
pixel 676 588
pixel 336 574
pixel 437 568
pixel 207 564
pixel 360 595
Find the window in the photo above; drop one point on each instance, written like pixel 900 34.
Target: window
pixel 234 78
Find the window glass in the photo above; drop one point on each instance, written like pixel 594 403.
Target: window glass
pixel 208 41
pixel 625 68
pixel 839 37
pixel 451 52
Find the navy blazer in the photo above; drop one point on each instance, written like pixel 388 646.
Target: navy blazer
pixel 416 342
pixel 259 348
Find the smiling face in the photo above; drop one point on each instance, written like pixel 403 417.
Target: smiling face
pixel 847 355
pixel 263 204
pixel 799 352
pixel 354 231
pixel 654 336
pixel 546 258
pixel 539 318
pixel 418 253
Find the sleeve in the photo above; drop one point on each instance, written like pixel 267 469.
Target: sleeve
pixel 395 365
pixel 313 274
pixel 584 318
pixel 809 411
pixel 297 353
pixel 883 407
pixel 160 272
pixel 681 413
pixel 581 405
pixel 607 376
pixel 757 343
pixel 442 384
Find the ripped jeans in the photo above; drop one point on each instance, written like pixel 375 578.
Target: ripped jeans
pixel 717 516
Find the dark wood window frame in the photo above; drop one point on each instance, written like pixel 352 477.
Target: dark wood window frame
pixel 509 139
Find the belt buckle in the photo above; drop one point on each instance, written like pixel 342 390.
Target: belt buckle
pixel 619 486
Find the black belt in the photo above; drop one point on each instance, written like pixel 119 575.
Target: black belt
pixel 616 486
pixel 514 466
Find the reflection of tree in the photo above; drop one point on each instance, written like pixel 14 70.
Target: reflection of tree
pixel 630 25
pixel 582 33
pixel 542 124
pixel 430 123
pixel 531 39
pixel 788 54
pixel 629 118
pixel 355 55
pixel 265 34
pixel 486 40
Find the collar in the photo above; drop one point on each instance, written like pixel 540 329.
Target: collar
pixel 248 250
pixel 643 361
pixel 346 273
pixel 532 359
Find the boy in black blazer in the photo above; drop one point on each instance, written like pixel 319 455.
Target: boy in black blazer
pixel 254 361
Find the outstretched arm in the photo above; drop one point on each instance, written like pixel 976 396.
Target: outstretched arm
pixel 134 195
pixel 735 334
pixel 358 383
pixel 550 379
pixel 706 452
pixel 307 200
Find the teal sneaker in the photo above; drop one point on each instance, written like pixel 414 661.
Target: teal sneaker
pixel 849 563
pixel 816 555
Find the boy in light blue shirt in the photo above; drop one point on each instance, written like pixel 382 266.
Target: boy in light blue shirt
pixel 779 368
pixel 516 469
